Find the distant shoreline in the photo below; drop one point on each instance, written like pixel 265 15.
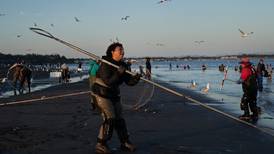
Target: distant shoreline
pixel 205 57
pixel 55 58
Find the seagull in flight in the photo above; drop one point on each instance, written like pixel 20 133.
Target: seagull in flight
pixel 52 25
pixel 160 44
pixel 35 25
pixel 155 44
pixel 76 19
pixel 125 18
pixel 244 35
pixel 2 14
pixel 117 40
pixel 162 1
pixel 199 42
pixel 18 36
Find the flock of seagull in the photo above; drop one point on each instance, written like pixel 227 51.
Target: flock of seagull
pixel 36 25
pixel 125 18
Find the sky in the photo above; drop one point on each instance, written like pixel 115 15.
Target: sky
pixel 176 24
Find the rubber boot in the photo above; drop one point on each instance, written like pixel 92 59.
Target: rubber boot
pixel 255 110
pixel 254 115
pixel 102 149
pixel 128 146
pixel 245 116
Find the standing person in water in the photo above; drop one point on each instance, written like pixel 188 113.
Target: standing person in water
pixel 170 66
pixel 249 86
pixel 148 68
pixel 203 67
pixel 107 95
pixel 65 72
pixel 79 69
pixel 260 74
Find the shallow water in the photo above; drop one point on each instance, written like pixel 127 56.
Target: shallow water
pixel 229 95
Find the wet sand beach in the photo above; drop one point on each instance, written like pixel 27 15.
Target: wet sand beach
pixel 159 123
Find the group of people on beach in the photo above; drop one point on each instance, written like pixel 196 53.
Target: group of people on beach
pixel 261 72
pixel 252 81
pixel 105 81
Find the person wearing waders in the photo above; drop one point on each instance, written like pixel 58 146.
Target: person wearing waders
pixel 148 69
pixel 107 96
pixel 249 86
pixel 260 74
pixel 93 68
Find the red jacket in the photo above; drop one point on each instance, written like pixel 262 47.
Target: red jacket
pixel 246 72
pixel 248 75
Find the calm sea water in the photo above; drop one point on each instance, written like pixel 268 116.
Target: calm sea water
pixel 231 93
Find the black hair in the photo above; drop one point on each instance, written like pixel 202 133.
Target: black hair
pixel 244 56
pixel 112 48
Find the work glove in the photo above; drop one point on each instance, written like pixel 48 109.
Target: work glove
pixel 137 76
pixel 240 81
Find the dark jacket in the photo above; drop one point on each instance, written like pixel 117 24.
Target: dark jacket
pixel 111 79
pixel 261 69
pixel 148 65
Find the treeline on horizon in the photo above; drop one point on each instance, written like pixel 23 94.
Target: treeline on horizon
pixel 35 59
pixel 38 59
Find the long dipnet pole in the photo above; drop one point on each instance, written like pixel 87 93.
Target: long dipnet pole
pixel 94 57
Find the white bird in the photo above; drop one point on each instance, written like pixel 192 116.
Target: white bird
pixel 244 35
pixel 193 84
pixel 125 18
pixel 206 89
